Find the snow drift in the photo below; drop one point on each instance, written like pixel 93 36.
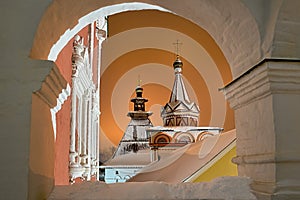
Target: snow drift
pixel 227 188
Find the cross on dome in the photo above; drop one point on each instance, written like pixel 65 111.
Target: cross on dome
pixel 176 44
pixel 139 81
pixel 179 111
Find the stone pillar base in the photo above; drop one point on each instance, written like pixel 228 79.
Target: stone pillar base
pixel 262 196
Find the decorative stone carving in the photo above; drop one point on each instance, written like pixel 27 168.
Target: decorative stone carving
pixel 77 59
pixel 84 144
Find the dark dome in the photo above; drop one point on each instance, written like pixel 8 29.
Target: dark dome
pixel 177 63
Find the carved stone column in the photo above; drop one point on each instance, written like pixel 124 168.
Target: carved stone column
pixel 77 62
pixel 94 134
pixel 100 36
pixel 84 113
pixel 73 153
pixel 266 103
pixel 85 107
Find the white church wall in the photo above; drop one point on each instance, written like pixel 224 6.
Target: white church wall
pixel 119 174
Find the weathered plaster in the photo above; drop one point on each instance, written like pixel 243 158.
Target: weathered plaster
pixel 265 100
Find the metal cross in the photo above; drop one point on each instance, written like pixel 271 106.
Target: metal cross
pixel 139 81
pixel 177 47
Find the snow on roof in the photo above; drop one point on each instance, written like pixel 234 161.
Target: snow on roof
pixel 186 161
pixel 131 159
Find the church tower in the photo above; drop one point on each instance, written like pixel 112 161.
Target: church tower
pixel 135 137
pixel 180 111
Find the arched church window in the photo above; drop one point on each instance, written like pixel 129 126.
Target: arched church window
pixel 162 140
pixel 184 139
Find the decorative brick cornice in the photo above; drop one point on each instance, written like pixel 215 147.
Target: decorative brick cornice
pixel 271 76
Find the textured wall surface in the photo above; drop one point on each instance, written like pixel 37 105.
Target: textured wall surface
pixel 245 35
pixel 221 188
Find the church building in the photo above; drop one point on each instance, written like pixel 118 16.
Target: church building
pixel 180 120
pixel 132 153
pixel 180 127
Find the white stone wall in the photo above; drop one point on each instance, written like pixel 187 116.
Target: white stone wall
pixel 19 76
pixel 245 36
pixel 120 175
pixel 266 103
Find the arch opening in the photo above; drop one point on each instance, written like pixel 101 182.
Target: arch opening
pixel 65 39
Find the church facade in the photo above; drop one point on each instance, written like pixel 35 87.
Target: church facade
pixel 180 120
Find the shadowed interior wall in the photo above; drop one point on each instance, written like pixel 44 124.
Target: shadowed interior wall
pixel 42 150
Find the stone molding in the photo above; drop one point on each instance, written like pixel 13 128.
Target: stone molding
pixel 271 76
pixel 52 87
pixel 266 99
pixel 54 92
pixel 290 157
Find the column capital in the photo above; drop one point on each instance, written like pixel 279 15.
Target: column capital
pixel 266 100
pixel 100 32
pixel 271 76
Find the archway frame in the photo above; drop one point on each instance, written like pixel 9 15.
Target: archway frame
pixel 49 41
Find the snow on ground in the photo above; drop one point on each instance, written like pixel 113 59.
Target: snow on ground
pixel 227 188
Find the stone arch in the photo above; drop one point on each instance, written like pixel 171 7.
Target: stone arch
pixel 53 40
pixel 48 38
pixel 281 29
pixel 240 53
